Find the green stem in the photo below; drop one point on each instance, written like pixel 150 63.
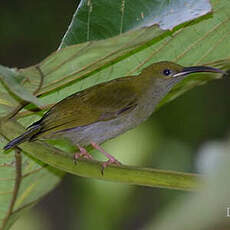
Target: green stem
pixel 92 169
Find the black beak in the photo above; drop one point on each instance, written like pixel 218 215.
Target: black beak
pixel 198 69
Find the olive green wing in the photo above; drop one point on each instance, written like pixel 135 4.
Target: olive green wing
pixel 99 103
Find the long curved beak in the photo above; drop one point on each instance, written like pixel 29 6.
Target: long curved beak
pixel 197 69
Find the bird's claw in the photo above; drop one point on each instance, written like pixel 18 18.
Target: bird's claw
pixel 82 154
pixel 108 163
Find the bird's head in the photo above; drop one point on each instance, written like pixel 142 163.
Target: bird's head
pixel 160 77
pixel 170 70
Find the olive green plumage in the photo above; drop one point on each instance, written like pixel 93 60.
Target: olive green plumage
pixel 108 109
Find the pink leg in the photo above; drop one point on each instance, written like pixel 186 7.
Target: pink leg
pixel 83 153
pixel 111 160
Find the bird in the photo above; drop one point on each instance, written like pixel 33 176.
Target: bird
pixel 106 110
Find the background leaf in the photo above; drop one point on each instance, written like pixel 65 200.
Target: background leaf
pixel 14 83
pixel 207 208
pixel 95 20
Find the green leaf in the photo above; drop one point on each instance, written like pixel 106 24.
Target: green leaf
pixel 36 180
pixel 77 61
pixel 95 20
pixel 13 82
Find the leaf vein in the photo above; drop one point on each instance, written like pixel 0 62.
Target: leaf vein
pixel 196 42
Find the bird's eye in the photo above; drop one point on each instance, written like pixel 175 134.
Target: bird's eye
pixel 167 72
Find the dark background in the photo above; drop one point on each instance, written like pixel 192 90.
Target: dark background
pixel 30 31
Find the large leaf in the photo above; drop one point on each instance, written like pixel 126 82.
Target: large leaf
pixel 94 21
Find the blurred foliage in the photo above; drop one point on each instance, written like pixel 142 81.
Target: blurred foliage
pixel 30 31
pixel 207 209
pixel 171 138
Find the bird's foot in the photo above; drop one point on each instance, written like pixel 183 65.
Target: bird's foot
pixel 82 154
pixel 111 160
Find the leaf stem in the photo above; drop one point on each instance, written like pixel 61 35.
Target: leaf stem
pixel 88 168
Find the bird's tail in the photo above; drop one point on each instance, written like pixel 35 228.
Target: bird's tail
pixel 33 130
